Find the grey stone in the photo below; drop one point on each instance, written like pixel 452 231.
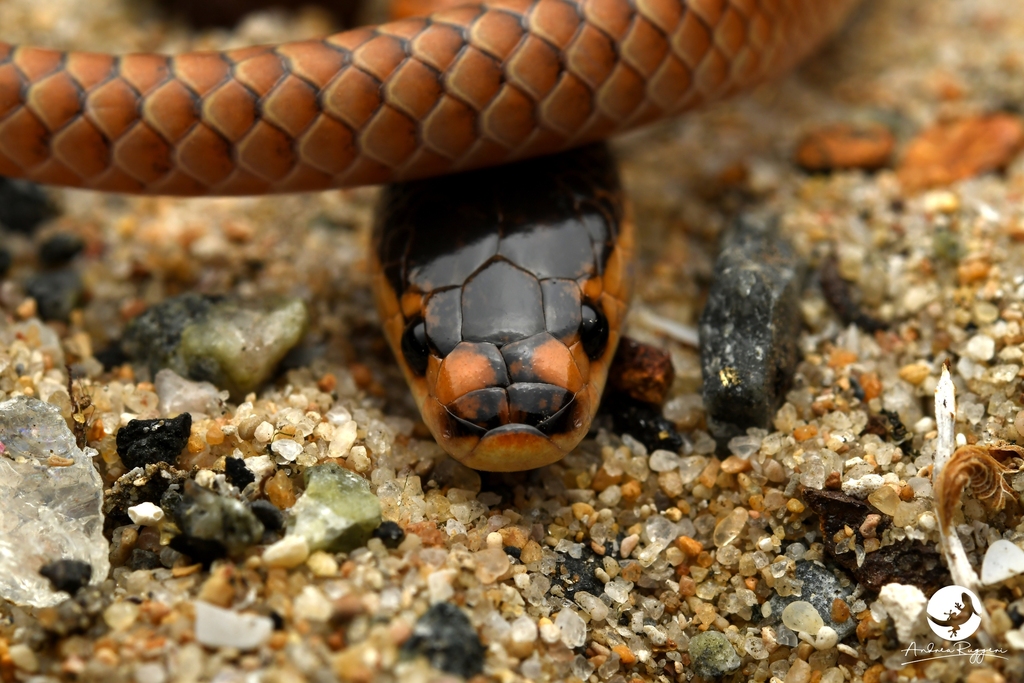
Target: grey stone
pixel 23 205
pixel 211 525
pixel 56 292
pixel 235 345
pixel 820 588
pixel 448 640
pixel 749 328
pixel 712 655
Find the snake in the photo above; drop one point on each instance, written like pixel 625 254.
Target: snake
pixel 501 272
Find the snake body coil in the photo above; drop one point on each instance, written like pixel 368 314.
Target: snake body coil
pixel 474 86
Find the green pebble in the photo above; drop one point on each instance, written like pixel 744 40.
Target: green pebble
pixel 712 655
pixel 337 512
pixel 244 343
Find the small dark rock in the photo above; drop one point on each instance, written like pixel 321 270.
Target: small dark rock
pixel 23 206
pixel 643 421
pixel 513 551
pixel 749 328
pixel 5 261
pixel 575 575
pixel 837 510
pixel 145 442
pixel 268 514
pixel 152 338
pixel 67 575
pixel 914 563
pixel 642 371
pixel 390 533
pixel 144 559
pixel 237 473
pixel 212 526
pixel 447 639
pixel 60 248
pixel 56 292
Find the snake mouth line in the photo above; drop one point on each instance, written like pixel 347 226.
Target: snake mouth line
pixel 555 424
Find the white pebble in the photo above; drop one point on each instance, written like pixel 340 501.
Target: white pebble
pixel 287 449
pixel 312 605
pixel 439 585
pixel 906 606
pixel 1002 561
pixel 861 487
pixel 523 630
pixel 218 627
pixel 264 432
pixel 981 347
pixel 290 551
pixel 801 616
pixel 826 638
pixel 663 461
pixel 261 466
pixel 146 514
pixel 494 540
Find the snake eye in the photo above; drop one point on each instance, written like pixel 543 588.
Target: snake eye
pixel 593 331
pixel 415 347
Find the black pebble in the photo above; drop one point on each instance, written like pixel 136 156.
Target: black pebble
pixel 23 206
pixel 268 514
pixel 575 575
pixel 56 292
pixel 67 575
pixel 513 551
pixel 5 261
pixel 390 533
pixel 142 442
pixel 60 248
pixel 446 638
pixel 237 473
pixel 144 559
pixel 643 421
pixel 749 328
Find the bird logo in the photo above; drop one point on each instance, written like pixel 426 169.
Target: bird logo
pixel 952 614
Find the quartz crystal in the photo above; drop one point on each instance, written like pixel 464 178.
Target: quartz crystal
pixel 50 500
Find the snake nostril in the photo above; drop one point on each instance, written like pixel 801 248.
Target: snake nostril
pixel 532 404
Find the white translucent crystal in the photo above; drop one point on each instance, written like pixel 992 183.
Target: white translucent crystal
pixel 1003 560
pixel 573 629
pixel 179 395
pixel 218 627
pixel 50 502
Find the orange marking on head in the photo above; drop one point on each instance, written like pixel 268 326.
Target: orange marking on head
pixel 412 303
pixel 462 371
pixel 552 362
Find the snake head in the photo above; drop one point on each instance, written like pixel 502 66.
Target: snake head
pixel 502 294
